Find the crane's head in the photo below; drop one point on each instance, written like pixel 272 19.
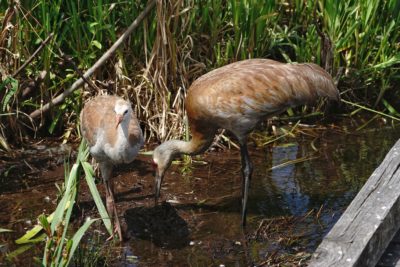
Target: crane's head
pixel 123 112
pixel 162 158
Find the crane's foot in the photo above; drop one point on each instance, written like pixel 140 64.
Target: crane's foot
pixel 116 230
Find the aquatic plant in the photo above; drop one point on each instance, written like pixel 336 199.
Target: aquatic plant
pixel 59 248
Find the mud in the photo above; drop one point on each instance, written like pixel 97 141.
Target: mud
pixel 300 187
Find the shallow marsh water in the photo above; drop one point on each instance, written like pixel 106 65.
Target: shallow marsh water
pixel 299 189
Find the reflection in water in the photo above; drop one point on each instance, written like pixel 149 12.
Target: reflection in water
pixel 284 179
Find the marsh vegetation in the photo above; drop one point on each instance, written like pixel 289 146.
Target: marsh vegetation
pixel 45 46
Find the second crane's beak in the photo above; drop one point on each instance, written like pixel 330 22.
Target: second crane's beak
pixel 118 119
pixel 158 181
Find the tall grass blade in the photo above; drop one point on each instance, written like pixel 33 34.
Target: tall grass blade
pixel 371 110
pixel 77 238
pixel 61 207
pixel 96 196
pixel 30 234
pixel 20 250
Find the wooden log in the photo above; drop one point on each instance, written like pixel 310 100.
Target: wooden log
pixel 367 226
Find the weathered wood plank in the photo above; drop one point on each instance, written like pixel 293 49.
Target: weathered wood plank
pixel 369 223
pixel 391 256
pixel 396 238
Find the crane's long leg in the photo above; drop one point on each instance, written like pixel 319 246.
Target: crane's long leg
pixel 106 170
pixel 247 170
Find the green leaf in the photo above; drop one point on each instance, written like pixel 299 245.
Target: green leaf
pixel 45 224
pixel 96 44
pixel 388 63
pixel 146 153
pixel 93 24
pixel 56 119
pixel 14 87
pixel 18 251
pixel 27 238
pixel 62 206
pixel 96 196
pixel 78 236
pixel 391 109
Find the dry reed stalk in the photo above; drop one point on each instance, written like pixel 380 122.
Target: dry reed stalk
pixel 162 89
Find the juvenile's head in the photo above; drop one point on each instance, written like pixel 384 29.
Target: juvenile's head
pixel 123 111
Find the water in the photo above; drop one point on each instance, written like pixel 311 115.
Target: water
pixel 299 189
pixel 321 185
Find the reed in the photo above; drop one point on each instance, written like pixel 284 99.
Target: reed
pixel 183 39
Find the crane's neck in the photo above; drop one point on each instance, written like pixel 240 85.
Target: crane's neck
pixel 177 147
pixel 173 148
pixel 167 151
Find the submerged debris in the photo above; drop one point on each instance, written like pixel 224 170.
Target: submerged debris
pixel 287 241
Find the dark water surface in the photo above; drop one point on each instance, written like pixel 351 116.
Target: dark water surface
pixel 299 189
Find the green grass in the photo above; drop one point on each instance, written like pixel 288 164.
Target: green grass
pixel 180 40
pixel 60 245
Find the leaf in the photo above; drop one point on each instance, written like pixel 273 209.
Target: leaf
pixel 14 87
pixel 391 109
pixel 96 196
pixel 45 224
pixel 83 151
pixel 146 153
pixel 93 24
pixel 66 218
pixel 27 238
pixel 55 121
pixel 388 63
pixel 18 251
pixel 62 206
pixel 96 44
pixel 4 144
pixel 78 236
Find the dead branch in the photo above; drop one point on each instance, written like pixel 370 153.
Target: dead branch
pixel 33 84
pixel 60 98
pixel 42 45
pixel 77 70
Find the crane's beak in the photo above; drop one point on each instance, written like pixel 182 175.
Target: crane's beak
pixel 118 119
pixel 159 178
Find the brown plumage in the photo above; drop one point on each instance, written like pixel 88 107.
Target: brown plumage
pixel 114 136
pixel 236 97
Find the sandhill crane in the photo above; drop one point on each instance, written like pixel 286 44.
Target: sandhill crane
pixel 113 133
pixel 236 97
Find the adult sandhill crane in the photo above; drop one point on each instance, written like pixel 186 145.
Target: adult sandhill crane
pixel 113 133
pixel 236 97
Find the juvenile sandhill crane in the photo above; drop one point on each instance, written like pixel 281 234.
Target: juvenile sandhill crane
pixel 236 97
pixel 114 136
